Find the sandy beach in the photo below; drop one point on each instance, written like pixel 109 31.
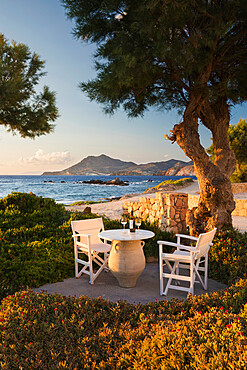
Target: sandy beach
pixel 113 209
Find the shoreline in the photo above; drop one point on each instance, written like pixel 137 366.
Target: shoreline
pixel 113 209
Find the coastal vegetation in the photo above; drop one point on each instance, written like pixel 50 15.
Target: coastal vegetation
pixel 180 182
pixel 179 54
pixel 86 202
pixel 36 244
pixel 53 331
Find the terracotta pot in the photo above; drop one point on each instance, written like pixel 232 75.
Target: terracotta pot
pixel 127 261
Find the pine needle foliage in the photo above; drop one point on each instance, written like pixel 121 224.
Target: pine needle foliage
pixel 162 52
pixel 22 108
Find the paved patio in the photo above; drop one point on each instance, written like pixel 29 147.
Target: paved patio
pixel 106 286
pixel 147 288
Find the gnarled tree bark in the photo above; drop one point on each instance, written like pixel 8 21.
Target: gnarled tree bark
pixel 216 201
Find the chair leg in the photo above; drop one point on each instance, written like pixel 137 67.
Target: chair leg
pixel 192 273
pixel 106 255
pixel 76 264
pixel 177 273
pixel 161 277
pixel 206 273
pixel 91 269
pixel 170 279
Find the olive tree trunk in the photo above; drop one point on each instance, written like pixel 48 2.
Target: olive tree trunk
pixel 216 201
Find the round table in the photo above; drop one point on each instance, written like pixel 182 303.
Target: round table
pixel 126 259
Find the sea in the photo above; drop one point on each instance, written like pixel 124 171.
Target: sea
pixel 70 189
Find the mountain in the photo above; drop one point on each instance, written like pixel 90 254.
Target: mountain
pixel 180 169
pixel 104 165
pixel 152 168
pixel 101 165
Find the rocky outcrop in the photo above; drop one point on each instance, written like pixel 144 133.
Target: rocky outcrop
pixel 179 169
pixel 186 171
pixel 116 181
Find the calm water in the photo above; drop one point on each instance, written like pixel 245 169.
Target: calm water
pixel 69 189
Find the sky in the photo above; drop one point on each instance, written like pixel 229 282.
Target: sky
pixel 82 128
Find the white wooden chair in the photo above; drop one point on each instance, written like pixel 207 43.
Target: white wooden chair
pixel 193 258
pixel 87 242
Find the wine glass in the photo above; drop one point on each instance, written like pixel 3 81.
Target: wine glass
pixel 123 221
pixel 138 223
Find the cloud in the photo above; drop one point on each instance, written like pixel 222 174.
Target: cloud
pixel 166 155
pixel 47 158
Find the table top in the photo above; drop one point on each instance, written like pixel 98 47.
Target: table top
pixel 126 235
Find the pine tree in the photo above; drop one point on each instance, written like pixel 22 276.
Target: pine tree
pixel 22 109
pixel 190 55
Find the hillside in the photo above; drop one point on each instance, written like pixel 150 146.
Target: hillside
pixel 91 165
pixel 104 165
pixel 180 169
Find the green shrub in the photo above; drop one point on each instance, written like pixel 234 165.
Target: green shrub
pixel 36 246
pixel 54 332
pixel 35 242
pixel 239 175
pixel 228 256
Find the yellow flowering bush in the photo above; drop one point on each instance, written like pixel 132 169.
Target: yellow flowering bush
pixel 228 256
pixel 55 332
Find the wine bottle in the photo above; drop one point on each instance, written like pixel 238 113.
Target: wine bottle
pixel 132 223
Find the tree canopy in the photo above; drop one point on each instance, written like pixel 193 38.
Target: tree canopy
pixel 190 55
pixel 161 52
pixel 22 109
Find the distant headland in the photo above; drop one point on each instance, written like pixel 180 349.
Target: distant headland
pixel 104 165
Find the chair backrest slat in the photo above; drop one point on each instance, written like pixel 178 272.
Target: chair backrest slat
pixel 204 242
pixel 89 226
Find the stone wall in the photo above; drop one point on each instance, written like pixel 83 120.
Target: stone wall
pixel 168 209
pixel 241 208
pixel 239 187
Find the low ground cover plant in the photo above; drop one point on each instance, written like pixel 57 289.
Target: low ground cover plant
pixel 54 332
pixel 179 182
pixel 86 202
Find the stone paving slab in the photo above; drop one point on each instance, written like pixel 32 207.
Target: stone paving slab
pixel 106 286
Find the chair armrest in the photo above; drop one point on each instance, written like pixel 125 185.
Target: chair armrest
pixel 171 244
pixel 178 246
pixel 190 249
pixel 76 235
pixel 186 236
pixel 164 242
